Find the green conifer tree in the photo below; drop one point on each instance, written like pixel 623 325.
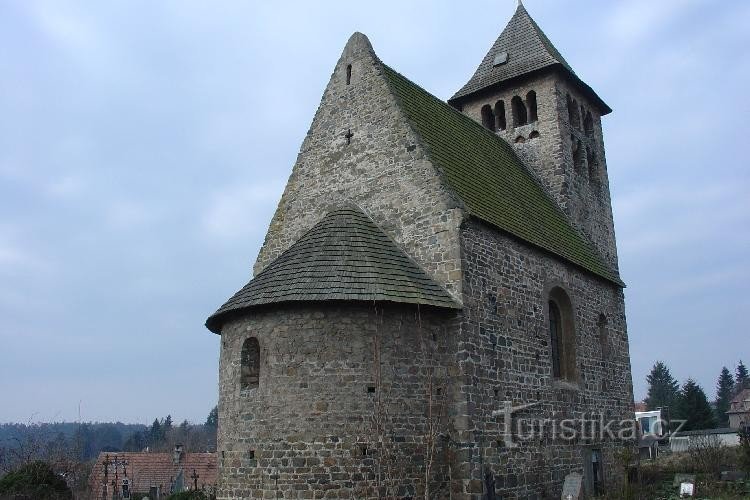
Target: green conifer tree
pixel 724 391
pixel 740 375
pixel 213 418
pixel 693 407
pixel 663 389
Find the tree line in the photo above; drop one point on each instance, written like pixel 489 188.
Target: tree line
pixel 70 448
pixel 689 402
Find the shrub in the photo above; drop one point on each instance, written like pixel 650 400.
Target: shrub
pixel 35 480
pixel 745 448
pixel 190 495
pixel 707 455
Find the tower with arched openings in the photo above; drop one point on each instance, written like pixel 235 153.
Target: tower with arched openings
pixel 437 297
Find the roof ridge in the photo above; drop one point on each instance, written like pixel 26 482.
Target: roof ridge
pixel 479 153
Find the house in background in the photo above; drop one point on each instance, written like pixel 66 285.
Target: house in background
pixel 739 410
pixel 651 423
pixel 652 429
pixel 122 475
pixel 684 441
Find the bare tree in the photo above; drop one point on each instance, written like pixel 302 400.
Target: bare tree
pixel 435 405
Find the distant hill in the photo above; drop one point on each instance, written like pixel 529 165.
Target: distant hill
pixel 85 440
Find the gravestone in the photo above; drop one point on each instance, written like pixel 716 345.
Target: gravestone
pixel 683 478
pixel 686 490
pixel 733 475
pixel 573 487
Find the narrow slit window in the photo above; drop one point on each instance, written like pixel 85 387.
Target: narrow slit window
pixel 555 327
pixel 250 364
pixel 562 335
pixel 348 74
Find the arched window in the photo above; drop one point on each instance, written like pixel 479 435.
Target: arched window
pixel 573 114
pixel 488 117
pixel 562 335
pixel 348 74
pixel 588 124
pixel 601 325
pixel 531 104
pixel 518 108
pixel 593 167
pixel 555 332
pixel 500 115
pixel 578 152
pixel 250 364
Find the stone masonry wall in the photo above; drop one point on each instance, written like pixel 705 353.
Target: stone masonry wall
pixel 310 429
pixel 383 170
pixel 504 355
pixel 580 188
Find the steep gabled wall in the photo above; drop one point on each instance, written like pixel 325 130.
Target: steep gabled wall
pixel 381 168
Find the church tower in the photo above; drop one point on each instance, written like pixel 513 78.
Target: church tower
pixel 525 92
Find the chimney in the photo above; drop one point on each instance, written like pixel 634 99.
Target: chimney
pixel 177 454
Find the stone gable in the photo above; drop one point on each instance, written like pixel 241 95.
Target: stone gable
pixel 381 168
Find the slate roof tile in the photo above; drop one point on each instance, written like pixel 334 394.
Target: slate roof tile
pixel 528 50
pixel 496 186
pixel 345 256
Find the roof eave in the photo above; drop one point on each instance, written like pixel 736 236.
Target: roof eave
pixel 604 109
pixel 614 279
pixel 216 321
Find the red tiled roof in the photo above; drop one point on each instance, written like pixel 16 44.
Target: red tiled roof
pixel 640 406
pixel 145 469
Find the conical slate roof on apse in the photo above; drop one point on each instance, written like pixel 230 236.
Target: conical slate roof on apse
pixel 526 50
pixel 345 256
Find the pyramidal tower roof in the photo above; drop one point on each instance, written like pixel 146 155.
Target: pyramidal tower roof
pixel 522 49
pixel 345 256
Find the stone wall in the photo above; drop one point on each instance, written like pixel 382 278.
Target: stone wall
pixel 311 428
pixel 580 188
pixel 382 168
pixel 504 355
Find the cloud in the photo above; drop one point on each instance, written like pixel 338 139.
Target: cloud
pixel 15 259
pixel 233 212
pixel 638 21
pixel 76 32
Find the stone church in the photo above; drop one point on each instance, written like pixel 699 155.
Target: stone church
pixel 438 289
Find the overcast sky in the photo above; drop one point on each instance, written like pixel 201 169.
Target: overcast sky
pixel 144 146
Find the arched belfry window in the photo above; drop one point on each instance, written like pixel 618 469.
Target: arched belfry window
pixel 588 124
pixel 518 109
pixel 250 364
pixel 531 105
pixel 573 114
pixel 488 117
pixel 578 153
pixel 562 335
pixel 593 168
pixel 500 115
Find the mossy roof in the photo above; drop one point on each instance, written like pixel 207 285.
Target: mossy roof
pixel 345 256
pixel 528 51
pixel 484 171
